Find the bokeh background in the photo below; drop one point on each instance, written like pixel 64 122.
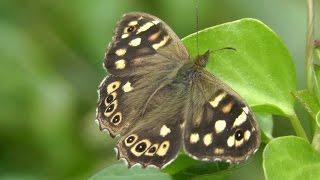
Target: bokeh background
pixel 50 66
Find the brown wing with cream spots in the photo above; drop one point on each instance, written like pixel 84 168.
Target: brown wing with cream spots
pixel 137 37
pixel 157 138
pixel 143 56
pixel 221 126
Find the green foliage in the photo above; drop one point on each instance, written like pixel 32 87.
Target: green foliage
pixel 121 172
pixel 291 157
pixel 260 70
pixel 309 102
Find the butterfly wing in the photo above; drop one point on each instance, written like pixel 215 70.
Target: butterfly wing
pixel 142 57
pixel 157 138
pixel 137 37
pixel 220 125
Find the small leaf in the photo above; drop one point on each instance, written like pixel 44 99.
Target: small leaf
pixel 308 101
pixel 121 172
pixel 261 69
pixel 290 157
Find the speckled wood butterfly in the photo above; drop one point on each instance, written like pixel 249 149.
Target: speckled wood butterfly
pixel 158 100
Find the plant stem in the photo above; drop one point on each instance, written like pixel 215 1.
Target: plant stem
pixel 311 80
pixel 297 127
pixel 309 45
pixel 316 140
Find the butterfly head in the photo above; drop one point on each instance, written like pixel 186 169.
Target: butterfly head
pixel 201 60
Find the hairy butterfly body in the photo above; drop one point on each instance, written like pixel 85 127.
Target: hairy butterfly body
pixel 158 100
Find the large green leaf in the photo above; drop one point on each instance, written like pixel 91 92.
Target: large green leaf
pixel 121 172
pixel 260 70
pixel 289 158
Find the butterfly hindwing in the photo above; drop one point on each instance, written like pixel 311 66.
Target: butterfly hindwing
pixel 222 126
pixel 157 138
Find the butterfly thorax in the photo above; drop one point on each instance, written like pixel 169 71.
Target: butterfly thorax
pixel 192 69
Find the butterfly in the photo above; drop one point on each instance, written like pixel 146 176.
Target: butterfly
pixel 160 100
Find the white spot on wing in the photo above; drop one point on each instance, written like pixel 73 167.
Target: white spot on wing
pixel 246 109
pixel 164 131
pixel 135 42
pixel 132 23
pixel 120 64
pixel 247 135
pixel 155 22
pixel 161 43
pixel 240 119
pixel 123 36
pixel 230 141
pixel 217 99
pixel 207 139
pixel 145 27
pixel 121 52
pixel 127 87
pixel 220 125
pixel 194 138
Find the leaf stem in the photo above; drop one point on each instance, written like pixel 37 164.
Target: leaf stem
pixel 316 140
pixel 298 127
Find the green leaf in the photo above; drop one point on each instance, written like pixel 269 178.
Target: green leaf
pixel 289 158
pixel 121 172
pixel 261 69
pixel 266 125
pixel 182 162
pixel 308 101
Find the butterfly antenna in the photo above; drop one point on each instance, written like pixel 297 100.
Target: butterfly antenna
pixel 197 24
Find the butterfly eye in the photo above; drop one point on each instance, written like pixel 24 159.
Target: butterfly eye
pixel 131 28
pixel 131 139
pixel 110 108
pixel 141 147
pixel 109 98
pixel 116 119
pixel 152 150
pixel 239 135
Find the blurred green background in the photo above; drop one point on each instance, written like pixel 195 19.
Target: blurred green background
pixel 50 66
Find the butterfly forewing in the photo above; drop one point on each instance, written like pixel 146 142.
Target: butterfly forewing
pixel 137 37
